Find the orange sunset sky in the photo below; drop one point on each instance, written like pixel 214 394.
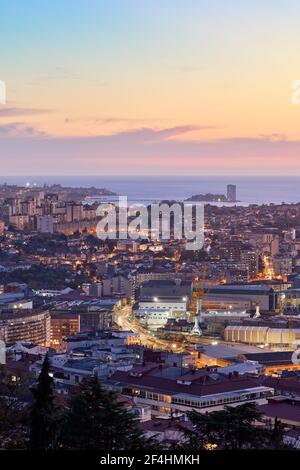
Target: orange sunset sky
pixel 150 87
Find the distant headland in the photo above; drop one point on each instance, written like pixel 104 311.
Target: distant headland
pixel 209 197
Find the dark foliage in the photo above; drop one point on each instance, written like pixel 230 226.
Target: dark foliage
pixel 96 420
pixel 233 428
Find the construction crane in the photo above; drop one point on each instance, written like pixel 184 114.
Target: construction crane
pixel 198 296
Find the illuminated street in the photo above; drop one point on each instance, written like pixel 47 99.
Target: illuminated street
pixel 125 320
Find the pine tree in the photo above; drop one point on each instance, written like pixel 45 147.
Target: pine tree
pixel 232 428
pixel 97 421
pixel 277 434
pixel 44 421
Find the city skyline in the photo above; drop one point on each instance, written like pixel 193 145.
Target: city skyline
pixel 149 230
pixel 133 88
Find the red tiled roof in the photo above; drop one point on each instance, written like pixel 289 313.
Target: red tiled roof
pixel 283 411
pixel 170 386
pixel 289 384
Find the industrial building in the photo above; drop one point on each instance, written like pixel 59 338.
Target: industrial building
pixel 155 317
pixel 166 289
pixel 161 301
pixel 263 335
pixel 240 297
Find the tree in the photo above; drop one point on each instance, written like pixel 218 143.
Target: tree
pixel 277 434
pixel 44 415
pixel 13 415
pixel 232 428
pixel 97 421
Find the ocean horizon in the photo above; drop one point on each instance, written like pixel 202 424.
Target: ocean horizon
pixel 250 189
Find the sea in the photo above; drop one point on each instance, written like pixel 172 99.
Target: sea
pixel 146 189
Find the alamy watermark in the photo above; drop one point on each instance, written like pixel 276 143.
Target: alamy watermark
pixel 2 92
pixel 164 221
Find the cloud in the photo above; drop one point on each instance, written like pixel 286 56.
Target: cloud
pixel 165 134
pixel 144 151
pixel 9 112
pixel 148 135
pixel 144 134
pixel 19 130
pixel 275 137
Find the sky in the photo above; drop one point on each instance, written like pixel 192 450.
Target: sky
pixel 158 87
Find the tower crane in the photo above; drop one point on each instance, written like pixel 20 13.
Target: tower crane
pixel 198 296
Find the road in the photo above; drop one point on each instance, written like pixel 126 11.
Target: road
pixel 125 320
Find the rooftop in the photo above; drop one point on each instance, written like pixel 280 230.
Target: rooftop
pixel 228 350
pixel 284 411
pixel 269 358
pixel 204 384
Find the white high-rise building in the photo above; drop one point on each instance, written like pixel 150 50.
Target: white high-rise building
pixel 231 192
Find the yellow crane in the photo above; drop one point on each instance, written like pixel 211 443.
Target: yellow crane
pixel 198 296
